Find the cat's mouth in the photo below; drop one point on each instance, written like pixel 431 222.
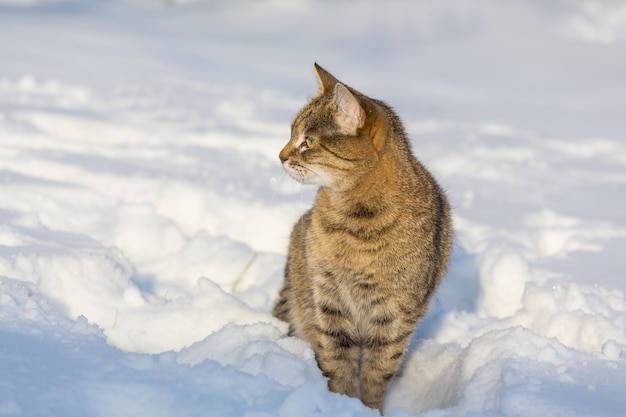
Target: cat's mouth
pixel 307 175
pixel 298 172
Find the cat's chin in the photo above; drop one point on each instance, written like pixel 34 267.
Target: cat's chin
pixel 309 179
pixel 307 176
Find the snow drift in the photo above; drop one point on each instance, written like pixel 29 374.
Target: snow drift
pixel 144 215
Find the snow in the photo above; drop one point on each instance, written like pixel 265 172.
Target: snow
pixel 144 216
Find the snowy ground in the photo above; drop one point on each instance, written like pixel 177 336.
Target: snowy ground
pixel 144 216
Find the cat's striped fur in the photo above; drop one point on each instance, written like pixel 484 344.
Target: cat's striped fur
pixel 364 261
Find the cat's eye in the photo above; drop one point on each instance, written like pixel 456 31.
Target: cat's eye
pixel 309 141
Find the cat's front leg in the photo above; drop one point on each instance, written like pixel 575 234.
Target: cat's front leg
pixel 336 348
pixel 382 355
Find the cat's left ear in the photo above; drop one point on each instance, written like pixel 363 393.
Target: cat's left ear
pixel 326 79
pixel 350 115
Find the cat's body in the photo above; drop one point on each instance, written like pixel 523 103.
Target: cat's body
pixel 365 260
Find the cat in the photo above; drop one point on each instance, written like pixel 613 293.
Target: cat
pixel 364 261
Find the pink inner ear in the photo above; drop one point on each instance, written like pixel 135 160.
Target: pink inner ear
pixel 354 116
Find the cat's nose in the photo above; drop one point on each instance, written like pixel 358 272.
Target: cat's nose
pixel 283 155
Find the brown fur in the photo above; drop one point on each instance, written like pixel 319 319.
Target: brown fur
pixel 364 261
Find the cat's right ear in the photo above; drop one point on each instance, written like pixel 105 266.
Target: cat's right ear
pixel 350 116
pixel 326 79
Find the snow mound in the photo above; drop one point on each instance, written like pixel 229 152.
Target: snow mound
pixel 144 216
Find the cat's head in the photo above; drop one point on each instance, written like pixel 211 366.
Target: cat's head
pixel 334 138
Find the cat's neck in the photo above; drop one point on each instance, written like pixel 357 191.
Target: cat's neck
pixel 373 190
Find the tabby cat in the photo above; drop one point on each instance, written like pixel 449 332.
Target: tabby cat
pixel 364 261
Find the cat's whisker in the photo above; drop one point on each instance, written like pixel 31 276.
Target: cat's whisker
pixel 279 185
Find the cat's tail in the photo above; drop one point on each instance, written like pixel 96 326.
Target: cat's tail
pixel 281 308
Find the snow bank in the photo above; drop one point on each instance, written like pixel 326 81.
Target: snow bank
pixel 144 217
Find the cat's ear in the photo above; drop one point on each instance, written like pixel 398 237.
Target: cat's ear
pixel 327 81
pixel 350 115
